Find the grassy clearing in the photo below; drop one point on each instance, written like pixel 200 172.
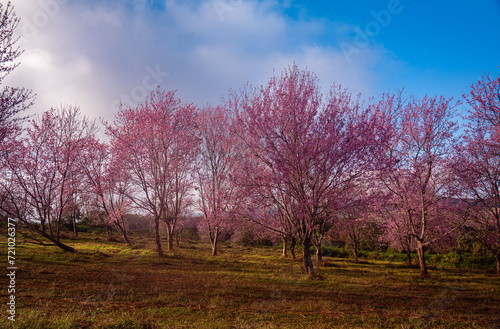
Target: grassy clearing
pixel 109 285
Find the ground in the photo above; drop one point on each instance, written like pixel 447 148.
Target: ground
pixel 109 285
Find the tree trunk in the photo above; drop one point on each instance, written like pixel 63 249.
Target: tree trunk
pixel 284 247
pixel 125 236
pixel 74 226
pixel 213 241
pixel 356 259
pixel 59 243
pixel 497 256
pixel 178 238
pixel 408 255
pixel 170 233
pixel 214 247
pixel 319 252
pixel 63 246
pixel 421 258
pixel 293 243
pixel 308 264
pixel 123 232
pixel 157 237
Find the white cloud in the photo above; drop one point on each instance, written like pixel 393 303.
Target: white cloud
pixel 92 53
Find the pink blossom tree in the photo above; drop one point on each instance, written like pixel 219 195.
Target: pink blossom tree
pixel 107 186
pixel 484 99
pixel 156 144
pixel 268 208
pixel 308 151
pixel 358 217
pixel 476 163
pixel 219 197
pixel 413 167
pixel 43 171
pixel 399 233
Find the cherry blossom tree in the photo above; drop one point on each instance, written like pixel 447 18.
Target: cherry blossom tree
pixel 476 163
pixel 156 144
pixel 268 208
pixel 106 185
pixel 413 167
pixel 358 217
pixel 484 99
pixel 307 150
pixel 399 233
pixel 219 197
pixel 43 172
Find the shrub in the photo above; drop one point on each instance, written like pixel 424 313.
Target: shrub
pixel 336 252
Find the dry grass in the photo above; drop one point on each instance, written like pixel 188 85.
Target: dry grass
pixel 108 285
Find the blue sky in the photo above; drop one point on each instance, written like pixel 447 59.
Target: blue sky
pixel 96 53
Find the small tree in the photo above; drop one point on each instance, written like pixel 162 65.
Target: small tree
pixel 156 145
pixel 358 218
pixel 476 164
pixel 218 151
pixel 106 185
pixel 413 167
pixel 43 171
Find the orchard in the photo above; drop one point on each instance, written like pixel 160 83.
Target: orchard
pixel 282 161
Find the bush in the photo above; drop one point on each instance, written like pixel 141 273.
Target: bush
pixel 451 259
pixel 190 233
pixel 335 252
pixel 461 260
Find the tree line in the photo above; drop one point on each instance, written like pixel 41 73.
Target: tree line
pixel 284 156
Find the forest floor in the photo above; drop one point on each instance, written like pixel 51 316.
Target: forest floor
pixel 109 285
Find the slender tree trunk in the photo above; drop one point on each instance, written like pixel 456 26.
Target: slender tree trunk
pixel 293 243
pixel 421 258
pixel 123 232
pixel 408 255
pixel 157 237
pixel 308 264
pixel 356 259
pixel 214 246
pixel 125 237
pixel 74 225
pixel 59 243
pixel 178 238
pixel 63 246
pixel 284 247
pixel 213 241
pixel 51 239
pixel 497 256
pixel 319 252
pixel 170 238
pixel 58 229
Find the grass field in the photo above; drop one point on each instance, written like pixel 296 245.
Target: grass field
pixel 108 285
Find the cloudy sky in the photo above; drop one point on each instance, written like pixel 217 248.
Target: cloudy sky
pixel 98 53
